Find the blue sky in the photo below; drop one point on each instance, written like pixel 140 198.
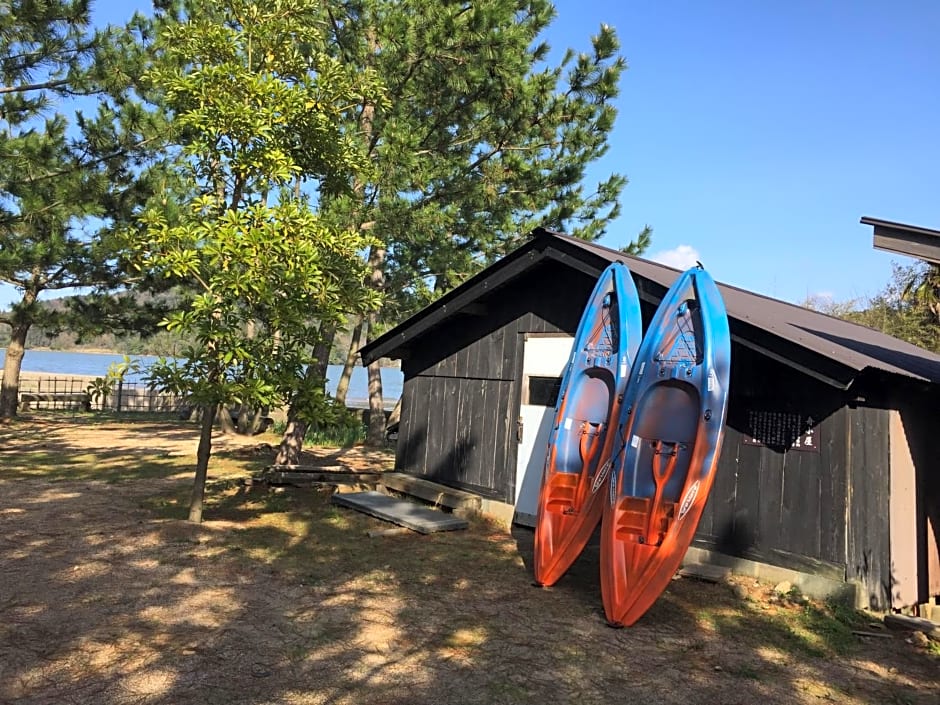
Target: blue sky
pixel 755 135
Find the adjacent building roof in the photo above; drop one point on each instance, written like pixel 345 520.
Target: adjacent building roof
pixel 910 240
pixel 823 346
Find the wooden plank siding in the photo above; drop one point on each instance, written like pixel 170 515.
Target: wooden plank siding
pixel 786 507
pixel 461 395
pixel 868 530
pixel 824 510
pixel 773 504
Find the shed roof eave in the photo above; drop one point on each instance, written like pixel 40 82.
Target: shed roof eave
pixel 488 280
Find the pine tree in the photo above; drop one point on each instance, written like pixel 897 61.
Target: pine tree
pixel 67 180
pixel 480 141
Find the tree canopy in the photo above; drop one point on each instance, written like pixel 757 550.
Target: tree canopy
pixel 256 106
pixel 481 139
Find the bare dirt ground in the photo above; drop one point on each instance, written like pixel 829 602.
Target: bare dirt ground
pixel 108 596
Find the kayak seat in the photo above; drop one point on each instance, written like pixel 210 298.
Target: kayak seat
pixel 561 491
pixel 633 514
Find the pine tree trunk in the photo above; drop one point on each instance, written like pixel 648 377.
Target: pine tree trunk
pixel 10 389
pixel 226 424
pixel 20 322
pixel 203 454
pixel 355 343
pixel 376 434
pixel 395 416
pixel 292 443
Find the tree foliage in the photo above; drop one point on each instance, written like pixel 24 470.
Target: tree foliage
pixel 257 106
pixel 908 307
pixel 481 139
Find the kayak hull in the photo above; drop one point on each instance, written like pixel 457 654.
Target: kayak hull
pixel 670 430
pixel 574 479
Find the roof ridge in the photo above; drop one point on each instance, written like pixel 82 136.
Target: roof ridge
pixel 580 242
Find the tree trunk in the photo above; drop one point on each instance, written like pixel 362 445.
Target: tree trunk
pixel 342 387
pixel 202 464
pixel 292 442
pixel 10 389
pixel 395 416
pixel 321 351
pixel 376 434
pixel 20 322
pixel 225 420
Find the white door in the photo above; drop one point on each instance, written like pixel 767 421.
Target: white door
pixel 543 365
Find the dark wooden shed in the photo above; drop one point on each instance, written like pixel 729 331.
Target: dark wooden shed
pixel 831 459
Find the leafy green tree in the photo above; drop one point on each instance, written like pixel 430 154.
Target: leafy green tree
pixel 906 308
pixel 66 182
pixel 480 141
pixel 258 106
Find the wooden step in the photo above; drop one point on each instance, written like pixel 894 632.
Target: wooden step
pixel 438 495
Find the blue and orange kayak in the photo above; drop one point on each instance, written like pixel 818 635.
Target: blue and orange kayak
pixel 579 447
pixel 669 435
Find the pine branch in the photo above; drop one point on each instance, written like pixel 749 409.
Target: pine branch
pixel 82 166
pixel 34 86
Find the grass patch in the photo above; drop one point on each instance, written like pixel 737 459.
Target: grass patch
pixel 815 630
pixel 349 431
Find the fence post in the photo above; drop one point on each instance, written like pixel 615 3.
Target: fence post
pixel 120 394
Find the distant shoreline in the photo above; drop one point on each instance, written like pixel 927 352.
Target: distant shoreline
pixel 89 351
pixel 29 375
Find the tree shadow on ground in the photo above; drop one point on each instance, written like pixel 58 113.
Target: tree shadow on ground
pixel 281 597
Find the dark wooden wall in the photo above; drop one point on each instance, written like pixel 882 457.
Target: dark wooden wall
pixel 461 395
pixel 824 511
pixel 868 539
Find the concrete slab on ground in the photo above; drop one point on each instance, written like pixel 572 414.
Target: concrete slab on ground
pixel 400 511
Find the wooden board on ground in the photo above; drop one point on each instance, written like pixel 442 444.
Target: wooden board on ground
pixel 320 467
pixel 318 478
pixel 400 511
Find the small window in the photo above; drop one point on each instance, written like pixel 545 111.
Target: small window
pixel 542 391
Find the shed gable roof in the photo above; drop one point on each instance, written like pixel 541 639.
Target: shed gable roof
pixel 839 349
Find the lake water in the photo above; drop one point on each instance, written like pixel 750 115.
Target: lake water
pixel 96 364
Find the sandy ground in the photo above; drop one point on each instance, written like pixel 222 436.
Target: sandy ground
pixel 107 597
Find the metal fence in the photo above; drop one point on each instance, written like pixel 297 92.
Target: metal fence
pixel 73 393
